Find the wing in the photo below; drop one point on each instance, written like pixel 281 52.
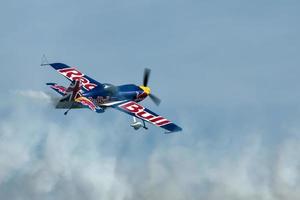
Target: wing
pixel 136 110
pixel 72 74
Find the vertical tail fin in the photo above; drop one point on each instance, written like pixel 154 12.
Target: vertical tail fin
pixel 72 92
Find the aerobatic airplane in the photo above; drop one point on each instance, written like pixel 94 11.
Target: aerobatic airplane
pixel 85 92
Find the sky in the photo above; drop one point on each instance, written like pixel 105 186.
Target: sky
pixel 226 71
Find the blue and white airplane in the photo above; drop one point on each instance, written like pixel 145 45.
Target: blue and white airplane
pixel 85 92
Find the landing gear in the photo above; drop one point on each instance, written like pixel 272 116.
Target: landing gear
pixel 137 125
pixel 65 113
pixel 144 125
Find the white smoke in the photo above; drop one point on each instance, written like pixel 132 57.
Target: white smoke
pixel 34 95
pixel 42 159
pixel 87 156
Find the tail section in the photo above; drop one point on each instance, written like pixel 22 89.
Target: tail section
pixel 73 98
pixel 72 92
pixel 59 89
pixel 69 95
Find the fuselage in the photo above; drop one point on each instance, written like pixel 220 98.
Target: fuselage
pixel 110 93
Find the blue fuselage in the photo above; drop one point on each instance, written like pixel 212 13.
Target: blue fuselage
pixel 110 93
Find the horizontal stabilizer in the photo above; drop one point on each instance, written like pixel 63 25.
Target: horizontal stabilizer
pixel 68 105
pixel 59 89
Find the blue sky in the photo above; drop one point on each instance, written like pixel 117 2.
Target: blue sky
pixel 227 72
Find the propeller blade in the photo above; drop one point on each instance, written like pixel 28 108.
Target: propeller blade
pixel 155 99
pixel 146 77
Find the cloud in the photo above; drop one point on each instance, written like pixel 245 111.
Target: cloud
pixel 45 155
pixel 193 173
pixel 33 94
pixel 41 159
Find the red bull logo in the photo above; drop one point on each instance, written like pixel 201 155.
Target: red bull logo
pixel 75 75
pixel 140 112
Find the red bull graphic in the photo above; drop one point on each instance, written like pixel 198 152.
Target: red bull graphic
pixel 75 75
pixel 85 101
pixel 142 113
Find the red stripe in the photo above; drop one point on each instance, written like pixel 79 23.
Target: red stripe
pixel 144 115
pixel 163 123
pixel 156 119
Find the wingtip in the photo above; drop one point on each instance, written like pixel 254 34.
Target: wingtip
pixel 174 131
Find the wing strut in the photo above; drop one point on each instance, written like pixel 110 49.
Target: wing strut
pixel 65 113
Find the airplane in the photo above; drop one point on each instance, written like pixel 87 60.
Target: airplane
pixel 85 92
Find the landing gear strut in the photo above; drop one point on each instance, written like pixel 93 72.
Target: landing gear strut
pixel 65 113
pixel 137 125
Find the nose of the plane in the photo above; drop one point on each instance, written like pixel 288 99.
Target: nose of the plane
pixel 147 90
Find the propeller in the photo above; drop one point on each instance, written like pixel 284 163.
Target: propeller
pixel 146 77
pixel 154 98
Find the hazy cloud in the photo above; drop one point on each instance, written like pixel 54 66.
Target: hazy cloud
pixel 42 158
